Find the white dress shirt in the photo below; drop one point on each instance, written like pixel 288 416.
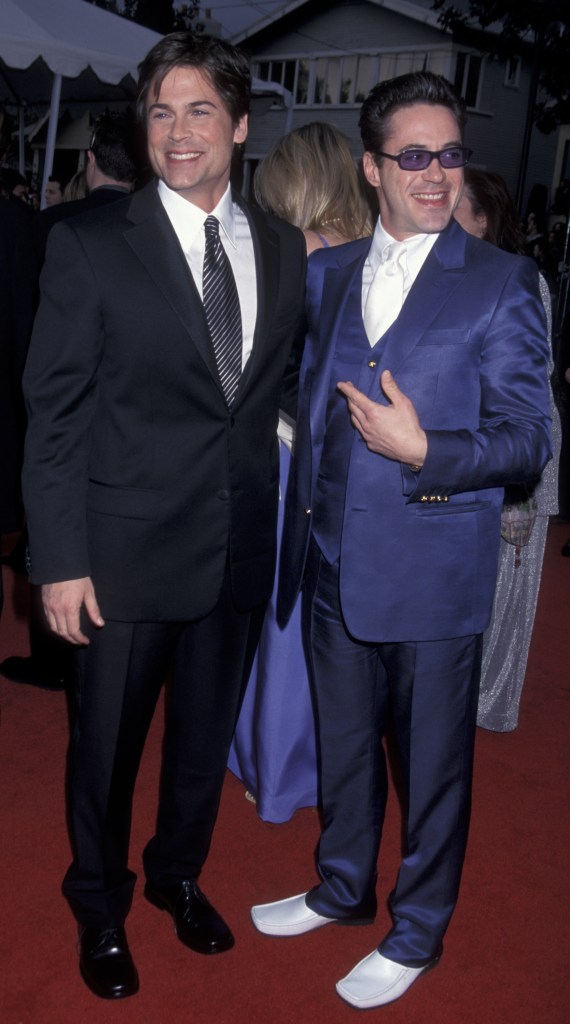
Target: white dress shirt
pixel 418 248
pixel 188 222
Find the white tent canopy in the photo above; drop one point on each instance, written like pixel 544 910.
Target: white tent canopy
pixel 70 37
pixel 74 40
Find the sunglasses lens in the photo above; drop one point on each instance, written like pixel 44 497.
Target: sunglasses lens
pixel 414 160
pixel 453 157
pixel 419 159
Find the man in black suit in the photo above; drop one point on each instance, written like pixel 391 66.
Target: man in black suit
pixel 113 164
pixel 113 161
pixel 18 276
pixel 151 486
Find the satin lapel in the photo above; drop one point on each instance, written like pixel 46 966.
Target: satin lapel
pixel 153 240
pixel 442 272
pixel 338 282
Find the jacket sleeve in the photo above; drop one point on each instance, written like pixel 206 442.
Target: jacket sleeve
pixel 512 443
pixel 60 390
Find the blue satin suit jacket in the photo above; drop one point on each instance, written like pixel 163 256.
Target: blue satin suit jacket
pixel 419 549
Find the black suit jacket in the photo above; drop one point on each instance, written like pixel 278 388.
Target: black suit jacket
pixel 45 219
pixel 136 472
pixel 18 286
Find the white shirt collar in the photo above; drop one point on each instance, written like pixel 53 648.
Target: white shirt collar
pixel 188 219
pixel 417 249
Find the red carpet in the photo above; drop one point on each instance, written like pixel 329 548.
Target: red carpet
pixel 505 959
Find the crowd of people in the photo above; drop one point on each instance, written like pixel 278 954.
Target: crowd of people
pixel 298 454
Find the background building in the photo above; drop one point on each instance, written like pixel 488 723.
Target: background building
pixel 329 56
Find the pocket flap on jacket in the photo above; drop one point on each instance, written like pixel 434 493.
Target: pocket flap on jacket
pixel 455 336
pixel 130 502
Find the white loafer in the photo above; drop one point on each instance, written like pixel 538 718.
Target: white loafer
pixel 287 917
pixel 376 981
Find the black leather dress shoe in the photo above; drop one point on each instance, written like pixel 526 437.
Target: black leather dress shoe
pixel 26 670
pixel 196 923
pixel 106 963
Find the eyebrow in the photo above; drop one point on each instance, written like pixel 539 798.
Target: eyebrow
pixel 190 106
pixel 422 145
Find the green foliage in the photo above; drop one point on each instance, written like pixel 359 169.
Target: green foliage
pixel 536 29
pixel 158 15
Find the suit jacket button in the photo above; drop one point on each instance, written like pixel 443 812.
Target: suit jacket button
pixel 307 511
pixel 372 363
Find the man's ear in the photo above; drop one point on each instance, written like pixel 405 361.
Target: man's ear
pixel 240 131
pixel 371 171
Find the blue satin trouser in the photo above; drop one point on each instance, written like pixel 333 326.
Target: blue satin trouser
pixel 430 691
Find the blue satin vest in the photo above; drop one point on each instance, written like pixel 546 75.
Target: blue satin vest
pixel 330 489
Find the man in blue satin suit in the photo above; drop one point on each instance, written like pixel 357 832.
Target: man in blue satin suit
pixel 394 512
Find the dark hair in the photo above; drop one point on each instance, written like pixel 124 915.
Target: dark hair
pixel 10 178
pixel 115 146
pixel 488 194
pixel 405 91
pixel 227 67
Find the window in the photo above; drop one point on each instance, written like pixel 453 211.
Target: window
pixel 280 71
pixel 346 79
pixel 302 88
pixel 363 81
pixel 468 77
pixel 512 72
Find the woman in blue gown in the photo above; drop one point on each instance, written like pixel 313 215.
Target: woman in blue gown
pixel 309 178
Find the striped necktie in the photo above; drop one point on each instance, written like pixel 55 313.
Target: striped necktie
pixel 221 305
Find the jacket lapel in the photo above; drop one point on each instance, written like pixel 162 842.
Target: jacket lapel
pixel 338 284
pixel 440 275
pixel 152 233
pixel 153 240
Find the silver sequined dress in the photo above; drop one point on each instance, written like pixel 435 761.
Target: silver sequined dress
pixel 507 640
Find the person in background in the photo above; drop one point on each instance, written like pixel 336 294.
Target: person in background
pixel 310 179
pixel 13 184
pixel 167 338
pixel 18 282
pixel 76 187
pixel 54 192
pixel 487 211
pixel 113 163
pixel 422 392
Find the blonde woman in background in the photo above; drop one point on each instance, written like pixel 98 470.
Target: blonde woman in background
pixel 310 179
pixel 76 188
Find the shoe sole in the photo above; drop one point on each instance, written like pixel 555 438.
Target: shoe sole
pixel 290 931
pixel 371 1002
pixel 102 994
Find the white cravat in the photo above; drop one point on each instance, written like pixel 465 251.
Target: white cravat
pixel 386 293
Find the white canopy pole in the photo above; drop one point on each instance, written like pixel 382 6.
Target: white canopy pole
pixel 21 142
pixel 51 135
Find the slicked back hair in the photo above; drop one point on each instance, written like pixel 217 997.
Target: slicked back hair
pixel 388 97
pixel 226 66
